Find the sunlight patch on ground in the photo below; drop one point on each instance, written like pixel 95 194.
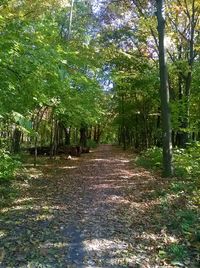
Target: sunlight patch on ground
pixel 105 186
pixel 124 161
pixel 68 167
pixel 44 217
pixel 33 172
pixel 128 173
pixel 117 200
pixel 163 237
pixel 25 185
pixel 103 245
pixel 138 205
pixel 109 160
pixel 4 210
pixel 53 245
pixel 110 252
pixel 34 207
pixel 101 160
pixel 22 200
pixel 125 177
pixel 2 234
pixel 124 260
pixel 73 158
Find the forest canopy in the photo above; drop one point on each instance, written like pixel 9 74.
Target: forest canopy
pixel 94 65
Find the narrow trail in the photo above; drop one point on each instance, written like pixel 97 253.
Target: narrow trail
pixel 92 211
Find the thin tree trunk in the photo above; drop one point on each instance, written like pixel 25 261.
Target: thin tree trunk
pixel 189 77
pixel 95 134
pixel 123 124
pixel 67 136
pixel 98 133
pixel 39 117
pixel 52 135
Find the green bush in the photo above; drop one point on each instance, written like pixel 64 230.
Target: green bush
pixel 152 158
pixel 8 165
pixel 91 144
pixel 186 161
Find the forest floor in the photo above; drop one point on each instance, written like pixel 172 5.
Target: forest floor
pixel 98 210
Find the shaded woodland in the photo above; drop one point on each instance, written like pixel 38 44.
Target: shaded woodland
pixel 72 72
pixel 75 74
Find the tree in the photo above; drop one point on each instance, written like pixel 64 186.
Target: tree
pixel 183 27
pixel 164 92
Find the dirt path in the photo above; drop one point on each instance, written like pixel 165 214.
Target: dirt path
pixel 90 211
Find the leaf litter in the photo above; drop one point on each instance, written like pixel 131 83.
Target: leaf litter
pixel 92 211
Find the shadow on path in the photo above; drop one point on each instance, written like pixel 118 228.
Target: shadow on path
pixel 83 212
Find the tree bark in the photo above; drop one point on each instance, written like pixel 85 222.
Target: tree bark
pixel 164 93
pixel 123 124
pixel 67 136
pixel 83 136
pixel 70 19
pixel 16 140
pixel 188 80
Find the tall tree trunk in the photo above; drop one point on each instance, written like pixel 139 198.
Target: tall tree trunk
pixel 52 135
pixel 119 135
pixel 70 19
pixel 136 140
pixel 61 132
pixel 16 140
pixel 98 133
pixel 74 136
pixel 95 134
pixel 188 79
pixel 83 136
pixel 37 122
pixel 56 137
pixel 164 93
pixel 89 133
pixel 67 136
pixel 123 124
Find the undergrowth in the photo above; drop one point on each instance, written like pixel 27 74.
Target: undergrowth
pixel 179 200
pixel 8 166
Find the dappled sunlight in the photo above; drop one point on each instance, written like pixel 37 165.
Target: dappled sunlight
pixel 34 207
pixel 68 167
pixel 2 234
pixel 124 161
pixel 115 199
pixel 25 185
pixel 109 160
pixel 34 172
pixel 58 245
pixel 164 236
pixel 103 245
pixel 44 217
pixel 105 186
pixel 23 200
pixel 4 210
pixel 96 213
pixel 116 253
